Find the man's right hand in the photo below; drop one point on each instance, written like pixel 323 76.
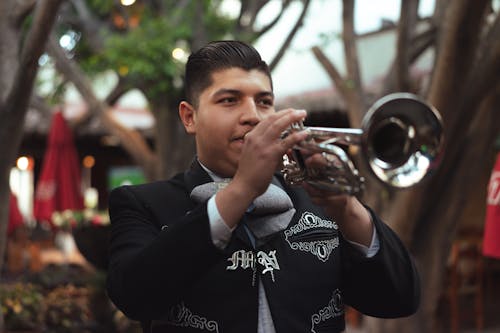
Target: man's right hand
pixel 262 153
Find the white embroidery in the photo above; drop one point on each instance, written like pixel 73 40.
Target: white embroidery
pixel 310 221
pixel 181 316
pixel 269 262
pixel 247 259
pixel 335 308
pixel 320 248
pixel 243 259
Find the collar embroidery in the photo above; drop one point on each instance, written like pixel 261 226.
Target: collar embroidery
pixel 300 236
pixel 335 308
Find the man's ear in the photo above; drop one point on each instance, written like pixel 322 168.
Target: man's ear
pixel 187 113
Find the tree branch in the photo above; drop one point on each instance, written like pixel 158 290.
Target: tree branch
pixel 459 33
pixel 180 5
pixel 118 91
pixel 34 44
pixel 199 32
pixel 485 75
pixel 38 103
pixel 22 8
pixel 132 141
pixel 248 13
pixel 290 36
pixel 15 106
pixel 349 39
pixel 417 45
pixel 332 71
pixel 276 19
pixel 355 97
pixel 92 28
pixel 406 28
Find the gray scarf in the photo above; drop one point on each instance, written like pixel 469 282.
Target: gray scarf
pixel 271 212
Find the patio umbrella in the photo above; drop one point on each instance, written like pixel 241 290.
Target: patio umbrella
pixel 491 239
pixel 59 185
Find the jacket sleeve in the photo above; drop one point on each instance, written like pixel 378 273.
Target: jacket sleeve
pixel 151 268
pixel 386 285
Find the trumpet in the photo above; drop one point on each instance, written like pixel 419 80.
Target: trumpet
pixel 400 141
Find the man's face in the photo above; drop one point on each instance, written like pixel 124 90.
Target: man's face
pixel 229 108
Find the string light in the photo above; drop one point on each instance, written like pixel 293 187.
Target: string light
pixel 127 2
pixel 88 161
pixel 178 53
pixel 23 163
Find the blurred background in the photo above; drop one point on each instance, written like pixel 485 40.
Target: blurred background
pixel 88 101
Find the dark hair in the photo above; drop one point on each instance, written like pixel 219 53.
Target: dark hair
pixel 216 56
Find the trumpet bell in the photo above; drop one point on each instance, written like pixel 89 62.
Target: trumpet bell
pixel 402 139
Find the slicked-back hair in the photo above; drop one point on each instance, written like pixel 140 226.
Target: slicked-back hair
pixel 217 56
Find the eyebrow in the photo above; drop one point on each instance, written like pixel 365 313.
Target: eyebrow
pixel 224 91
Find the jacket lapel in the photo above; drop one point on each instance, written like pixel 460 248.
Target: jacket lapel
pixel 195 176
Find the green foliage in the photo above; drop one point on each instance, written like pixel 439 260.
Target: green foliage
pixel 101 7
pixel 219 26
pixel 143 54
pixel 22 305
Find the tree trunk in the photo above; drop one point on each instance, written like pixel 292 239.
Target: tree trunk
pixel 175 148
pixel 18 70
pixel 426 216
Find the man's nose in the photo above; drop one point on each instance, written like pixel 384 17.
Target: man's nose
pixel 250 113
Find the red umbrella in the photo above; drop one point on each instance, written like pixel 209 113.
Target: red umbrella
pixel 491 239
pixel 15 217
pixel 59 185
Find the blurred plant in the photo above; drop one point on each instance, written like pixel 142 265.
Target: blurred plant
pixel 54 275
pixel 69 219
pixel 22 306
pixel 67 309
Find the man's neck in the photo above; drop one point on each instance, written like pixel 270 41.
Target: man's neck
pixel 215 177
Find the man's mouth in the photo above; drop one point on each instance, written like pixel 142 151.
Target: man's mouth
pixel 240 137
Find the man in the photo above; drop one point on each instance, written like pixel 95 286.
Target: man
pixel 247 253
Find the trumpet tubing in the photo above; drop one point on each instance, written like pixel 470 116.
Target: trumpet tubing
pixel 400 140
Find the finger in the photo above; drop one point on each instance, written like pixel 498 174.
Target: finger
pixel 316 160
pixel 311 190
pixel 269 120
pixel 282 120
pixel 293 140
pixel 324 194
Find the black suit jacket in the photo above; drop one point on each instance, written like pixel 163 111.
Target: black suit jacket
pixel 165 271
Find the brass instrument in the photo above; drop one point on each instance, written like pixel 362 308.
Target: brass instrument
pixel 400 140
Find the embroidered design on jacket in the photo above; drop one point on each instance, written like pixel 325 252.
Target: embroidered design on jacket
pixel 248 259
pixel 181 316
pixel 334 309
pixel 300 236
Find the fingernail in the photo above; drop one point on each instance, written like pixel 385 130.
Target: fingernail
pixel 300 112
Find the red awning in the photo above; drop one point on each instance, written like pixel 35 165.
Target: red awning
pixel 59 185
pixel 491 238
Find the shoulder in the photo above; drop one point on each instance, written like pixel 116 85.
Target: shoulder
pixel 154 202
pixel 172 184
pixel 149 192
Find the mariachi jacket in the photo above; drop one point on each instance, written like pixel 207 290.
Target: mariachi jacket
pixel 165 271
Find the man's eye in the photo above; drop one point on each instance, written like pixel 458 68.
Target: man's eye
pixel 226 100
pixel 266 102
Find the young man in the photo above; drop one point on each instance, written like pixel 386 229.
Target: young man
pixel 226 246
